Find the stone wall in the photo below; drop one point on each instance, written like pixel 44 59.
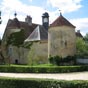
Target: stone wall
pixel 82 61
pixel 62 41
pixel 38 53
pixel 17 55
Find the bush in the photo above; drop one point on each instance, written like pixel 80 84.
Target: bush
pixel 49 69
pixel 40 83
pixel 56 60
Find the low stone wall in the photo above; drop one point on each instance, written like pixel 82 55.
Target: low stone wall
pixel 82 60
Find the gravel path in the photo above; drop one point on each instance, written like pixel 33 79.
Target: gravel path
pixel 59 76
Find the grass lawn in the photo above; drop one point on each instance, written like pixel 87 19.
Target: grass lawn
pixel 22 65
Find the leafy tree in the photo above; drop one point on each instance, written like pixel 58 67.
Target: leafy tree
pixel 1 55
pixel 86 37
pixel 81 47
pixel 86 41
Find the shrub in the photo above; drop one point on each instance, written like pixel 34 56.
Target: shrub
pixel 40 83
pixel 56 60
pixel 49 69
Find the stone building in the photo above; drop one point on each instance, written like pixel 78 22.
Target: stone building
pixel 62 38
pixel 41 41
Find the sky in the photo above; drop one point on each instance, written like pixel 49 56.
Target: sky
pixel 76 11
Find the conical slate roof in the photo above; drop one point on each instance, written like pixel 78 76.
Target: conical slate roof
pixel 61 21
pixel 39 33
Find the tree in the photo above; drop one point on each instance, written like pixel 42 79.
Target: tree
pixel 1 55
pixel 86 37
pixel 81 47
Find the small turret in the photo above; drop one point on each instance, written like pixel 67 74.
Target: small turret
pixel 45 20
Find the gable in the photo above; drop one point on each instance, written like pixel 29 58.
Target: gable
pixel 39 33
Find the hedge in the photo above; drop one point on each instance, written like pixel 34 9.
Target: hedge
pixel 50 69
pixel 40 83
pixel 57 60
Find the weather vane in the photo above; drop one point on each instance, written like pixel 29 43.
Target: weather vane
pixel 15 14
pixel 60 12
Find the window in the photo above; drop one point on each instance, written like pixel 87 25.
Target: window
pixel 10 51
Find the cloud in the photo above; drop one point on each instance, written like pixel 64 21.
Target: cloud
pixel 8 8
pixel 66 5
pixel 81 24
pixel 1 30
pixel 30 0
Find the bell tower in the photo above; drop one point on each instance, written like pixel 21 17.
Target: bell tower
pixel 45 20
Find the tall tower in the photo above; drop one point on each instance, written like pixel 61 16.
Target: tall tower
pixel 61 38
pixel 45 20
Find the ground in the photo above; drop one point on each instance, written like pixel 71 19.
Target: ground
pixel 58 76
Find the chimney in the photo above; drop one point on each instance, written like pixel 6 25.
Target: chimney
pixel 78 31
pixel 28 19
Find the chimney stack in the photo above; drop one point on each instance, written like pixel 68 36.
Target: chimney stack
pixel 28 19
pixel 78 31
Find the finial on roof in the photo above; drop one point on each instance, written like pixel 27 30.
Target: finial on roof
pixel 60 12
pixel 15 14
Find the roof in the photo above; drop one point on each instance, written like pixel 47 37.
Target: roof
pixel 38 34
pixel 78 34
pixel 16 24
pixel 45 14
pixel 61 21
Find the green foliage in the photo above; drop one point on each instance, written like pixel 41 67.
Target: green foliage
pixel 28 45
pixel 41 83
pixel 56 60
pixel 44 65
pixel 41 69
pixel 16 38
pixel 86 37
pixel 82 47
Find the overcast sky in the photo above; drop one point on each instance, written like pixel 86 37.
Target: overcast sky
pixel 76 11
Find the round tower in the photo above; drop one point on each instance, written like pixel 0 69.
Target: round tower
pixel 61 38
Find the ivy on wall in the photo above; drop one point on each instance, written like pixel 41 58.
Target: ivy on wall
pixel 16 38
